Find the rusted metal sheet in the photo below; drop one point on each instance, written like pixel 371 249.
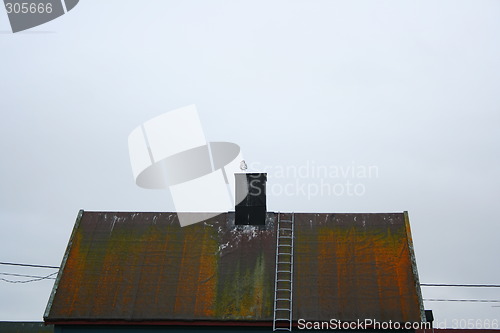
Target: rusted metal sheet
pixel 145 267
pixel 354 266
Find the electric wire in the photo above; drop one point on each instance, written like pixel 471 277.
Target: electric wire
pixel 50 276
pixel 460 285
pixel 462 300
pixel 27 265
pixel 32 280
pixel 23 275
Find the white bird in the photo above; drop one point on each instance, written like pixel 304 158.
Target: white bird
pixel 243 165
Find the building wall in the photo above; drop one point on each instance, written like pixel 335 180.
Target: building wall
pixel 185 329
pixel 25 327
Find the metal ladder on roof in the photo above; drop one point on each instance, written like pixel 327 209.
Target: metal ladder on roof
pixel 283 288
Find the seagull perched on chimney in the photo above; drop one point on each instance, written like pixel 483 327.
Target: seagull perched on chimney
pixel 243 165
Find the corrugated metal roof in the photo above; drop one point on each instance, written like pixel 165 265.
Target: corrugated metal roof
pixel 144 266
pixel 355 266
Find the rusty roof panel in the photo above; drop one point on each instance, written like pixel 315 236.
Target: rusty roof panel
pixel 144 266
pixel 354 266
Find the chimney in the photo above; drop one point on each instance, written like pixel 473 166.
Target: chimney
pixel 251 206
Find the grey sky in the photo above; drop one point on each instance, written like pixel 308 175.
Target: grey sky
pixel 410 87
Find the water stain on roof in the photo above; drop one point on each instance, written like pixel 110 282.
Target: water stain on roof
pixel 144 266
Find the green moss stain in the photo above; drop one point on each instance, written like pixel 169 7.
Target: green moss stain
pixel 246 291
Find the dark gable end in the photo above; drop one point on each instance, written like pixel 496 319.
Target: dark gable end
pixel 144 267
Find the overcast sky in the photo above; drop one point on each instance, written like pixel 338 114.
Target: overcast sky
pixel 410 88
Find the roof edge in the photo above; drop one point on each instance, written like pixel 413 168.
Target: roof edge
pixel 160 322
pixel 414 266
pixel 176 322
pixel 61 268
pixel 232 211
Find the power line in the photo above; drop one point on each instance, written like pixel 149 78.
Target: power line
pixel 462 300
pixel 27 265
pixel 32 280
pixel 421 284
pixel 464 286
pixel 23 275
pixel 460 285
